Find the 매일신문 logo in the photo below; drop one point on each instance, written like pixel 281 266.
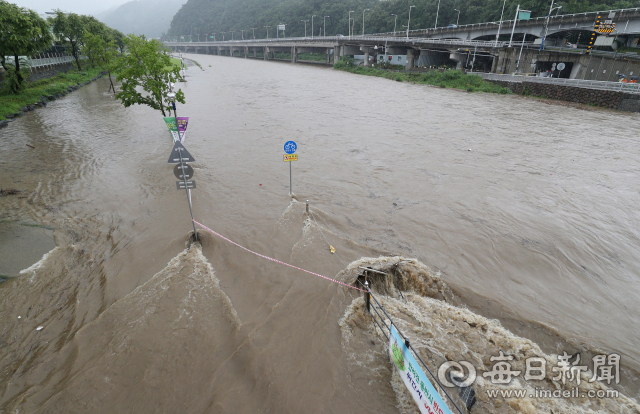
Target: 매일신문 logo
pixel 397 356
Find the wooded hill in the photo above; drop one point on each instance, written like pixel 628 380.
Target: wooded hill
pixel 143 17
pixel 216 16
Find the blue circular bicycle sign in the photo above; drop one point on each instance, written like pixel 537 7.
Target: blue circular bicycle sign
pixel 290 147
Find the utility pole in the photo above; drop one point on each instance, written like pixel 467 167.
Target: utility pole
pixel 267 27
pixel 254 33
pixel 325 25
pixel 305 27
pixel 232 32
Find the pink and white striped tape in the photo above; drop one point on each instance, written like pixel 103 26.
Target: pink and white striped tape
pixel 274 260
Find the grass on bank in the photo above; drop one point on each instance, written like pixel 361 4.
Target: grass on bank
pixel 448 79
pixel 33 92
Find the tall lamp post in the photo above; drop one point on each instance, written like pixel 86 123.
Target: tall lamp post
pixel 312 25
pixel 437 13
pixel 363 20
pixel 267 27
pixel 458 19
pixel 223 33
pixel 214 36
pixel 350 23
pixel 325 26
pixel 242 31
pixel 500 25
pixel 546 24
pixel 254 33
pixel 232 32
pixel 409 22
pixel 395 22
pixel 305 27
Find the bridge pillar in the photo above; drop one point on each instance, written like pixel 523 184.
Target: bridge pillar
pixel 255 52
pixel 366 57
pixel 246 52
pixel 410 58
pixel 336 54
pixel 265 53
pixel 294 55
pixel 328 53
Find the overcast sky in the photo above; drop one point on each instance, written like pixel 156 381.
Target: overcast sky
pixel 74 6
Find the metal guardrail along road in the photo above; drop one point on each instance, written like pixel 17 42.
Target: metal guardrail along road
pixel 576 83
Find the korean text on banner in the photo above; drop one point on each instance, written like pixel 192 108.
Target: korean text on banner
pixel 182 126
pixel 173 127
pixel 419 387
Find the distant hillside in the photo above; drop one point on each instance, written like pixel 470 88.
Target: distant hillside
pixel 148 17
pixel 217 16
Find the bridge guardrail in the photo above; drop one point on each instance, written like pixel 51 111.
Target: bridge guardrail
pixel 303 40
pixel 576 83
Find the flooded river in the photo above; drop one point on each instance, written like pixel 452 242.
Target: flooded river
pixel 515 210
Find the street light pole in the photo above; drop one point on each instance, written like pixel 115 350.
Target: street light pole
pixel 325 26
pixel 437 13
pixel 223 33
pixel 458 20
pixel 546 25
pixel 350 23
pixel 305 27
pixel 267 27
pixel 242 31
pixel 214 36
pixel 363 20
pixel 409 22
pixel 232 32
pixel 500 25
pixel 395 22
pixel 254 33
pixel 515 20
pixel 312 16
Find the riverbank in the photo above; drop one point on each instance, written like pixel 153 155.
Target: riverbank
pixel 38 93
pixel 448 79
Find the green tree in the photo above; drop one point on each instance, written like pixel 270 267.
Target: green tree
pixel 70 30
pixel 146 65
pixel 101 53
pixel 22 33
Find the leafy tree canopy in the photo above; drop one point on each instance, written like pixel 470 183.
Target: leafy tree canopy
pixel 146 71
pixel 22 33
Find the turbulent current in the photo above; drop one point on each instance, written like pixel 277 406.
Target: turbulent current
pixel 503 226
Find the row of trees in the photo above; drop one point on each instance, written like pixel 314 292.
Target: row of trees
pixel 24 33
pixel 216 16
pixel 143 66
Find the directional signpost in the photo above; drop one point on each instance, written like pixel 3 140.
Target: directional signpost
pixel 290 147
pixel 184 172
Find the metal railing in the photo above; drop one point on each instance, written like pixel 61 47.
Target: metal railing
pixel 384 321
pixel 334 39
pixel 48 60
pixel 576 83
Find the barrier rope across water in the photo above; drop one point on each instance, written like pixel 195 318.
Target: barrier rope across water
pixel 274 260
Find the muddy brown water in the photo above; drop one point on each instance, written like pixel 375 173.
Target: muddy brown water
pixel 526 211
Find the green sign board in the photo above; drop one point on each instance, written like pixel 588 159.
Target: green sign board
pixel 524 15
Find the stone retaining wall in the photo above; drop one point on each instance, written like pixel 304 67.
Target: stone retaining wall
pixel 607 99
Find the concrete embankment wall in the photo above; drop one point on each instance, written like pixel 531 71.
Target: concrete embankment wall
pixel 44 72
pixel 608 99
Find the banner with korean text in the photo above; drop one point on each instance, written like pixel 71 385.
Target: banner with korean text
pixel 183 121
pixel 417 383
pixel 173 127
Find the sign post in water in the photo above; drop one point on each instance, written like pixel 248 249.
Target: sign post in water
pixel 290 148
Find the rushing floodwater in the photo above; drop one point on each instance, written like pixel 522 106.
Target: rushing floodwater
pixel 525 212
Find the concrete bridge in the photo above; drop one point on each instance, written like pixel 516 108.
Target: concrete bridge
pixel 627 25
pixel 427 51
